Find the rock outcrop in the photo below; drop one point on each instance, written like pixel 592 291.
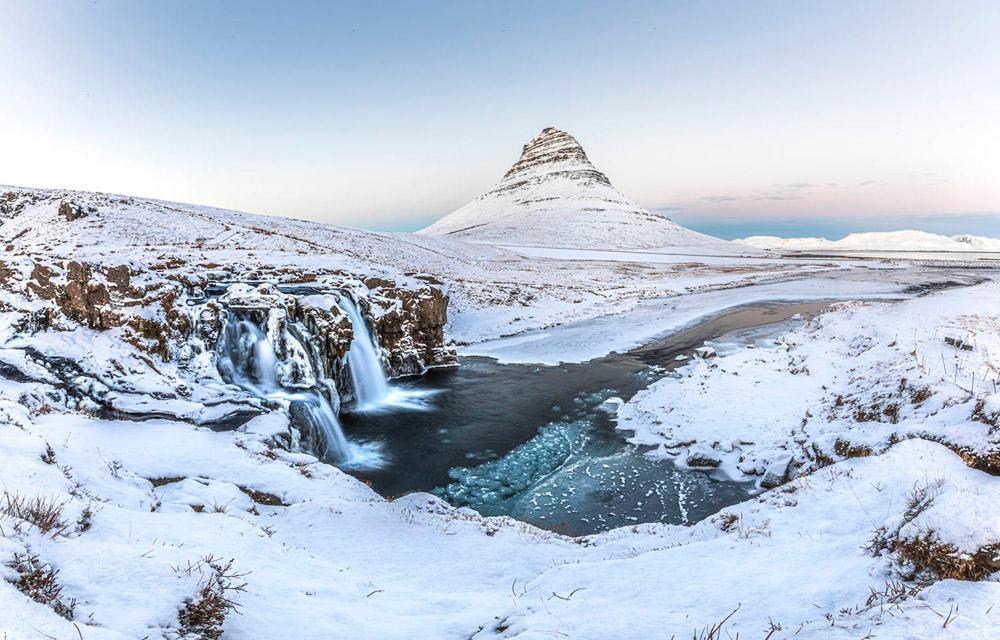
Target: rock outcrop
pixel 410 328
pixel 72 211
pixel 408 323
pixel 101 297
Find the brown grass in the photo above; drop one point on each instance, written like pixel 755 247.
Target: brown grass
pixel 727 521
pixel 979 413
pixel 41 512
pixel 928 554
pixel 263 497
pixel 845 449
pixel 40 582
pixel 203 616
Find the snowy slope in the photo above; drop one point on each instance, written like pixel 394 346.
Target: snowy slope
pixel 878 241
pixel 492 290
pixel 553 196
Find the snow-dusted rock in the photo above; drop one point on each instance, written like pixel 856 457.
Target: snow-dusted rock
pixel 777 472
pixel 705 352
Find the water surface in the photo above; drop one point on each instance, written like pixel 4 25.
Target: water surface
pixel 535 443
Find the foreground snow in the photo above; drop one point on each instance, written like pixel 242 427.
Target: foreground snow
pixel 322 556
pixel 356 566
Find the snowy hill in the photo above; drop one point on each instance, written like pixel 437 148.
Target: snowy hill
pixel 554 197
pixel 492 291
pixel 877 241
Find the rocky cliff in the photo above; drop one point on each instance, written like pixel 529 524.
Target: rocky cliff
pixel 136 334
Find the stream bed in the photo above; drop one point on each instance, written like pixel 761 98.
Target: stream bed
pixel 538 443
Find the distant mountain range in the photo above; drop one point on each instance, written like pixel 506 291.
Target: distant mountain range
pixel 878 241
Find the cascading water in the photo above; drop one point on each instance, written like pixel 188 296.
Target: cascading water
pixel 247 359
pixel 371 388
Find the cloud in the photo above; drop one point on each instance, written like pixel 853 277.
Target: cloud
pixel 774 192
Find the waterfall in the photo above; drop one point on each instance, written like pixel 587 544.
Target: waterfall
pixel 313 411
pixel 371 388
pixel 247 359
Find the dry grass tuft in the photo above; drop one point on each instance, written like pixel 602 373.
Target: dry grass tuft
pixel 845 449
pixel 728 521
pixel 40 582
pixel 919 395
pixel 980 413
pixel 715 631
pixel 49 457
pixel 926 554
pixel 44 513
pixel 202 617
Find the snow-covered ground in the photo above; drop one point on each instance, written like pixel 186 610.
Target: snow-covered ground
pixel 885 413
pixel 326 557
pixel 493 291
pixel 851 381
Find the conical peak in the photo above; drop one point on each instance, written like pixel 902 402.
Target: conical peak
pixel 553 151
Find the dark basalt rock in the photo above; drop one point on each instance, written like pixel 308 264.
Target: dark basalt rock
pixel 103 297
pixel 411 334
pixel 71 211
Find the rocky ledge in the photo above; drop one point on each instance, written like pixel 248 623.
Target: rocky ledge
pixel 169 319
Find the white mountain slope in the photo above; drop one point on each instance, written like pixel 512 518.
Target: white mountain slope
pixel 554 197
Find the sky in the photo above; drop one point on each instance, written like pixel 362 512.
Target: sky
pixel 389 115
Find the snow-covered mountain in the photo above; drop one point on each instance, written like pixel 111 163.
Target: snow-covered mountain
pixel 554 197
pixel 878 241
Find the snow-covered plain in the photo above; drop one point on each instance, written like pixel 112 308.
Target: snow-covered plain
pixel 866 406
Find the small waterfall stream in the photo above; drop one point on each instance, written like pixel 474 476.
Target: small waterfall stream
pixel 247 359
pixel 277 359
pixel 371 388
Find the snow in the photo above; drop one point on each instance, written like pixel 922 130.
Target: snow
pixel 326 557
pixel 802 393
pixel 792 556
pixel 622 328
pixel 493 291
pixel 379 569
pixel 878 241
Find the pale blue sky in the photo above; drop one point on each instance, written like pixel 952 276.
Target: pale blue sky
pixel 391 114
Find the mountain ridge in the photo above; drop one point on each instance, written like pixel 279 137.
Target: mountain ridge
pixel 902 240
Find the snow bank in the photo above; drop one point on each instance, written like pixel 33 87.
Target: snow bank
pixel 848 383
